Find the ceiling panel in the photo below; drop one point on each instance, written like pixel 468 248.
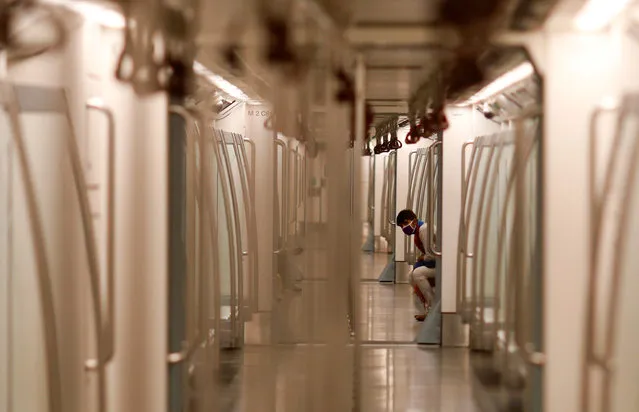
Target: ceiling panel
pixel 395 11
pixel 392 84
pixel 400 57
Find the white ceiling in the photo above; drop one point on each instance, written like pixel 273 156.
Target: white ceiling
pixel 395 68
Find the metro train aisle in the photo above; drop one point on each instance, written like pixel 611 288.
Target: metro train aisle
pixel 319 205
pixel 397 374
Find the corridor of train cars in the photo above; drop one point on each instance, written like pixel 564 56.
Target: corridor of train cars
pixel 199 205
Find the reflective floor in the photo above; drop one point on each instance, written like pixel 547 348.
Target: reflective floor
pixel 396 376
pixel 386 311
pixel 411 379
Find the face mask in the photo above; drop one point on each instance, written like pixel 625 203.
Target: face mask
pixel 409 229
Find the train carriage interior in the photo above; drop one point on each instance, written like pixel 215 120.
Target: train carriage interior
pixel 319 205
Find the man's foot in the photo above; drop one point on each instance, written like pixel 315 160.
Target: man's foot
pixel 420 318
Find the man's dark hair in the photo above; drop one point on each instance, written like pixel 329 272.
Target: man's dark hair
pixel 405 215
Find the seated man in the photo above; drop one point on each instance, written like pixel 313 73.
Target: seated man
pixel 422 277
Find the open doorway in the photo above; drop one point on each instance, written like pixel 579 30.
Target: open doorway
pixel 393 180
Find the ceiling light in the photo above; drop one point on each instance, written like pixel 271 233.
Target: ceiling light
pixel 219 82
pixel 609 103
pixel 103 15
pixel 503 82
pixel 597 14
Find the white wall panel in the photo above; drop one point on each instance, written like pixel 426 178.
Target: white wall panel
pixel 45 137
pixel 461 130
pixel 582 72
pixel 137 377
pixel 234 120
pixel 263 139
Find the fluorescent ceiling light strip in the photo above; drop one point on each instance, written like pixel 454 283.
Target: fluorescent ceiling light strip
pixel 219 82
pixel 101 14
pixel 597 14
pixel 503 82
